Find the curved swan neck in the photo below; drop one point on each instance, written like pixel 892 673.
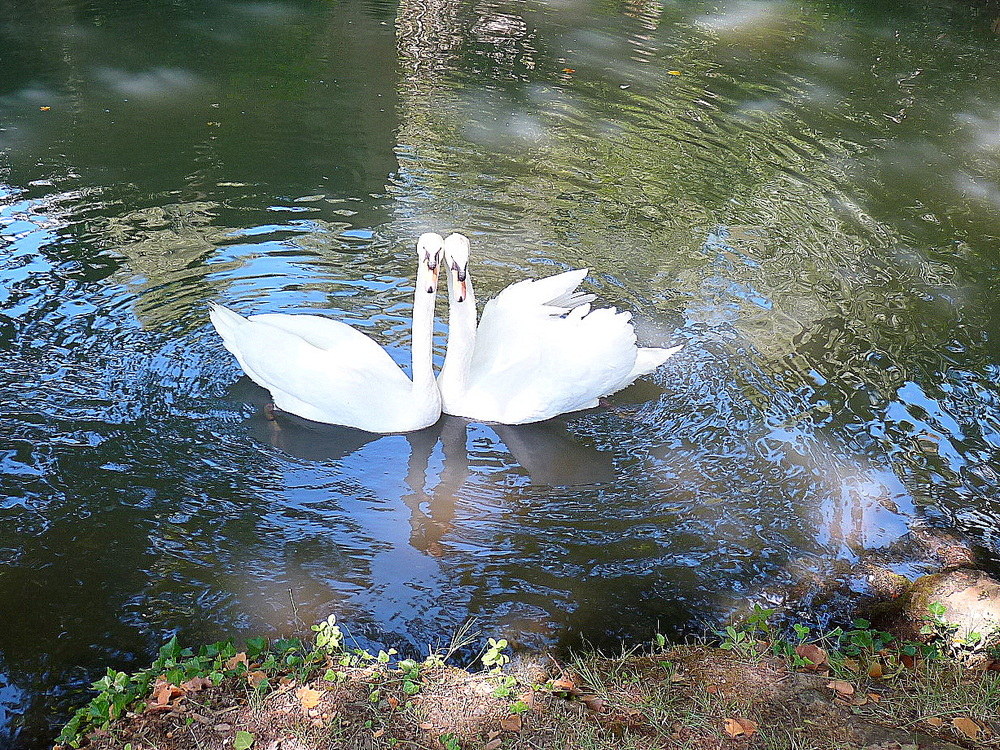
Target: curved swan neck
pixel 461 335
pixel 422 332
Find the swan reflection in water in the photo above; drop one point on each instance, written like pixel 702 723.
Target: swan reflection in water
pixel 547 451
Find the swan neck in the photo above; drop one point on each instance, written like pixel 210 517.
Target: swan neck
pixel 422 348
pixel 461 335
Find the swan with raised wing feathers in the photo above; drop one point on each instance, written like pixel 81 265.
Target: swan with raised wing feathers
pixel 539 349
pixel 326 371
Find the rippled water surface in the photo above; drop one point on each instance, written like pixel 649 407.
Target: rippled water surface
pixel 806 195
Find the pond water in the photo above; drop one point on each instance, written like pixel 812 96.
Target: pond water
pixel 805 195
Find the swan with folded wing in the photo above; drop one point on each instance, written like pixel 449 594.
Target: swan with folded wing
pixel 326 371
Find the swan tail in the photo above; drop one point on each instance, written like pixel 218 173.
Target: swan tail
pixel 226 323
pixel 648 358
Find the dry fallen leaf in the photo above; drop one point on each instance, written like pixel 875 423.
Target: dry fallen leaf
pixel 393 701
pixel 934 721
pixel 377 733
pixel 308 697
pixel 426 725
pixel 733 728
pixel 563 684
pixel 492 745
pixel 593 702
pixel 164 692
pixel 875 670
pixel 851 664
pixel 814 654
pixel 874 697
pixel 511 723
pixel 527 698
pixel 713 689
pixel 195 684
pixel 255 678
pixel 740 727
pixel 843 687
pixel 966 726
pixel 240 658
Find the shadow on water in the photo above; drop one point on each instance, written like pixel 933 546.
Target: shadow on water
pixel 547 450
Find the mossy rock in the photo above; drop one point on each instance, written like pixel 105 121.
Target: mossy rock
pixel 971 601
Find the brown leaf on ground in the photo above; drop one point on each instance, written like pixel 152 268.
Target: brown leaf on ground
pixel 874 697
pixel 195 684
pixel 240 658
pixel 908 661
pixel 593 702
pixel 511 723
pixel 739 727
pixel 308 697
pixel 527 698
pixel 564 685
pixel 164 692
pixel 713 689
pixel 843 687
pixel 934 721
pixel 393 702
pixel 852 665
pixel 814 654
pixel 425 725
pixel 493 744
pixel 255 678
pixel 966 726
pixel 875 670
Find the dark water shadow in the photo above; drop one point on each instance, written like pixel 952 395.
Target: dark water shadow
pixel 547 451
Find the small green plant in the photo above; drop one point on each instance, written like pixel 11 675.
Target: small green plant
pixel 450 742
pixel 494 657
pixel 506 687
pixel 328 635
pixel 243 740
pixel 739 641
pixel 411 676
pixel 946 638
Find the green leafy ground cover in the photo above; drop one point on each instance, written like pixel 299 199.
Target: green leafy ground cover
pixel 747 686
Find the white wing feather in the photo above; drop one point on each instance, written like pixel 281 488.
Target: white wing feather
pixel 541 351
pixel 317 368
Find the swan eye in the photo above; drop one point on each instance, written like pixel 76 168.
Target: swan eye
pixel 459 272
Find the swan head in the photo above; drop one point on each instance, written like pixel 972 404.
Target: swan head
pixel 456 254
pixel 430 249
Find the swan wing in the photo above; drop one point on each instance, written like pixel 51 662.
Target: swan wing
pixel 343 382
pixel 559 291
pixel 330 335
pixel 534 362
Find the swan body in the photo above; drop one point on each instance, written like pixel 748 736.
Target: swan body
pixel 538 350
pixel 326 371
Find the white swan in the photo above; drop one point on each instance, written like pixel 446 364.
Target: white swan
pixel 326 371
pixel 538 350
